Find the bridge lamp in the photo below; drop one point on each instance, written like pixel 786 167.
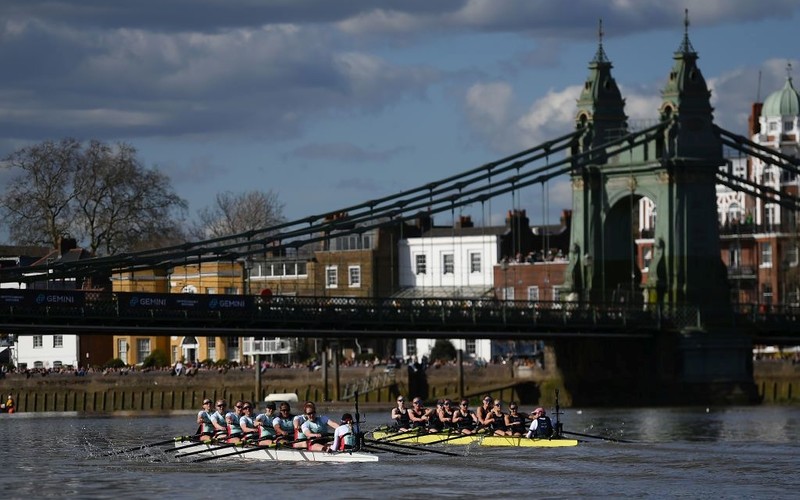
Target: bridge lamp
pixel 504 267
pixel 588 261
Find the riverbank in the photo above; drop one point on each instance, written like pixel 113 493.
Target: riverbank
pixel 777 382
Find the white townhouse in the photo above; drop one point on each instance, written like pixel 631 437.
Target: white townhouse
pixel 456 262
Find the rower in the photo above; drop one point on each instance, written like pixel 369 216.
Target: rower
pixel 446 415
pixel 232 420
pixel 483 411
pixel 515 422
pixel 418 415
pixel 496 420
pixel 263 422
pixel 205 428
pixel 283 424
pixel 464 420
pixel 344 437
pixel 402 422
pixel 315 427
pixel 250 433
pixel 218 421
pixel 541 426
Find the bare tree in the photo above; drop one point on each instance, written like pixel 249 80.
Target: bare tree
pixel 238 213
pixel 121 203
pixel 99 194
pixel 37 204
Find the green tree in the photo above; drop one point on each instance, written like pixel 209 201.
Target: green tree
pixel 156 359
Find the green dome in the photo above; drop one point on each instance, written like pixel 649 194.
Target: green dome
pixel 785 102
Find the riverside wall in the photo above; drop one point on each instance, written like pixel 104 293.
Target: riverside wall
pixel 777 382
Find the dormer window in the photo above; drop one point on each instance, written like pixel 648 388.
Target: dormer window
pixel 788 126
pixel 773 126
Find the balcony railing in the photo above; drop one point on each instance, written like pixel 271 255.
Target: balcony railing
pixel 251 346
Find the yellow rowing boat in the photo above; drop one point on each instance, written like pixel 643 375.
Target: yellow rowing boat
pixel 413 437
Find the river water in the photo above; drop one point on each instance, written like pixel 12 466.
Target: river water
pixel 741 452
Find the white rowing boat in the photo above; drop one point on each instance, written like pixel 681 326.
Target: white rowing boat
pixel 270 453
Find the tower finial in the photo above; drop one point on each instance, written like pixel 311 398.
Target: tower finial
pixel 686 45
pixel 789 70
pixel 600 55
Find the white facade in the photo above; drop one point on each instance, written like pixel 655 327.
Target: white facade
pixel 448 261
pixel 46 351
pixel 448 266
pixel 43 351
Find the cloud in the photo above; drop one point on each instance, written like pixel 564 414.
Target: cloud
pixel 343 152
pixel 267 82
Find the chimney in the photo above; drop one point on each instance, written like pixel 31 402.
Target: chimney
pixel 464 221
pixel 566 218
pixel 66 244
pixel 753 125
pixel 424 221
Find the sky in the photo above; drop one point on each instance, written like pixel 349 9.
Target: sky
pixel 332 103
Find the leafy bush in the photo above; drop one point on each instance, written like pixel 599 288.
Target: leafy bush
pixel 157 358
pixel 114 363
pixel 443 350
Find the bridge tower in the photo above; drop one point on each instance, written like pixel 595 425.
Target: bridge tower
pixel 673 162
pixel 674 166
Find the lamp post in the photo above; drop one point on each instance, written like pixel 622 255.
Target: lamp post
pixel 504 267
pixel 588 261
pixel 248 265
pixel 47 283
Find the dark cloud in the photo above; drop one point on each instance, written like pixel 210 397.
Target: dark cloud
pixel 209 15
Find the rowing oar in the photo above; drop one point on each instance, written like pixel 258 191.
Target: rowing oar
pixel 407 447
pixel 256 448
pixel 380 448
pixel 219 447
pixel 149 445
pixel 400 436
pixel 455 436
pixel 613 440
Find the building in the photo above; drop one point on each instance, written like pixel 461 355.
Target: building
pixel 463 262
pixel 46 351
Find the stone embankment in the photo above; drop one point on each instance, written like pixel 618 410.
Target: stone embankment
pixel 158 390
pixel 777 382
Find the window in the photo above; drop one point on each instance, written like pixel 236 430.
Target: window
pixel 734 257
pixel 771 213
pixel 211 348
pixel 470 347
pixel 142 349
pixel 421 264
pixel 174 354
pixel 766 294
pixel 791 255
pixel 231 290
pixel 58 341
pixel 533 293
pixel 331 277
pixel 648 257
pixel 788 126
pixel 122 350
pixel 556 294
pixel 475 262
pixel 448 264
pixel 773 126
pixel 354 273
pixel 37 342
pixel 233 348
pixel 38 364
pixel 411 347
pixel 766 255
